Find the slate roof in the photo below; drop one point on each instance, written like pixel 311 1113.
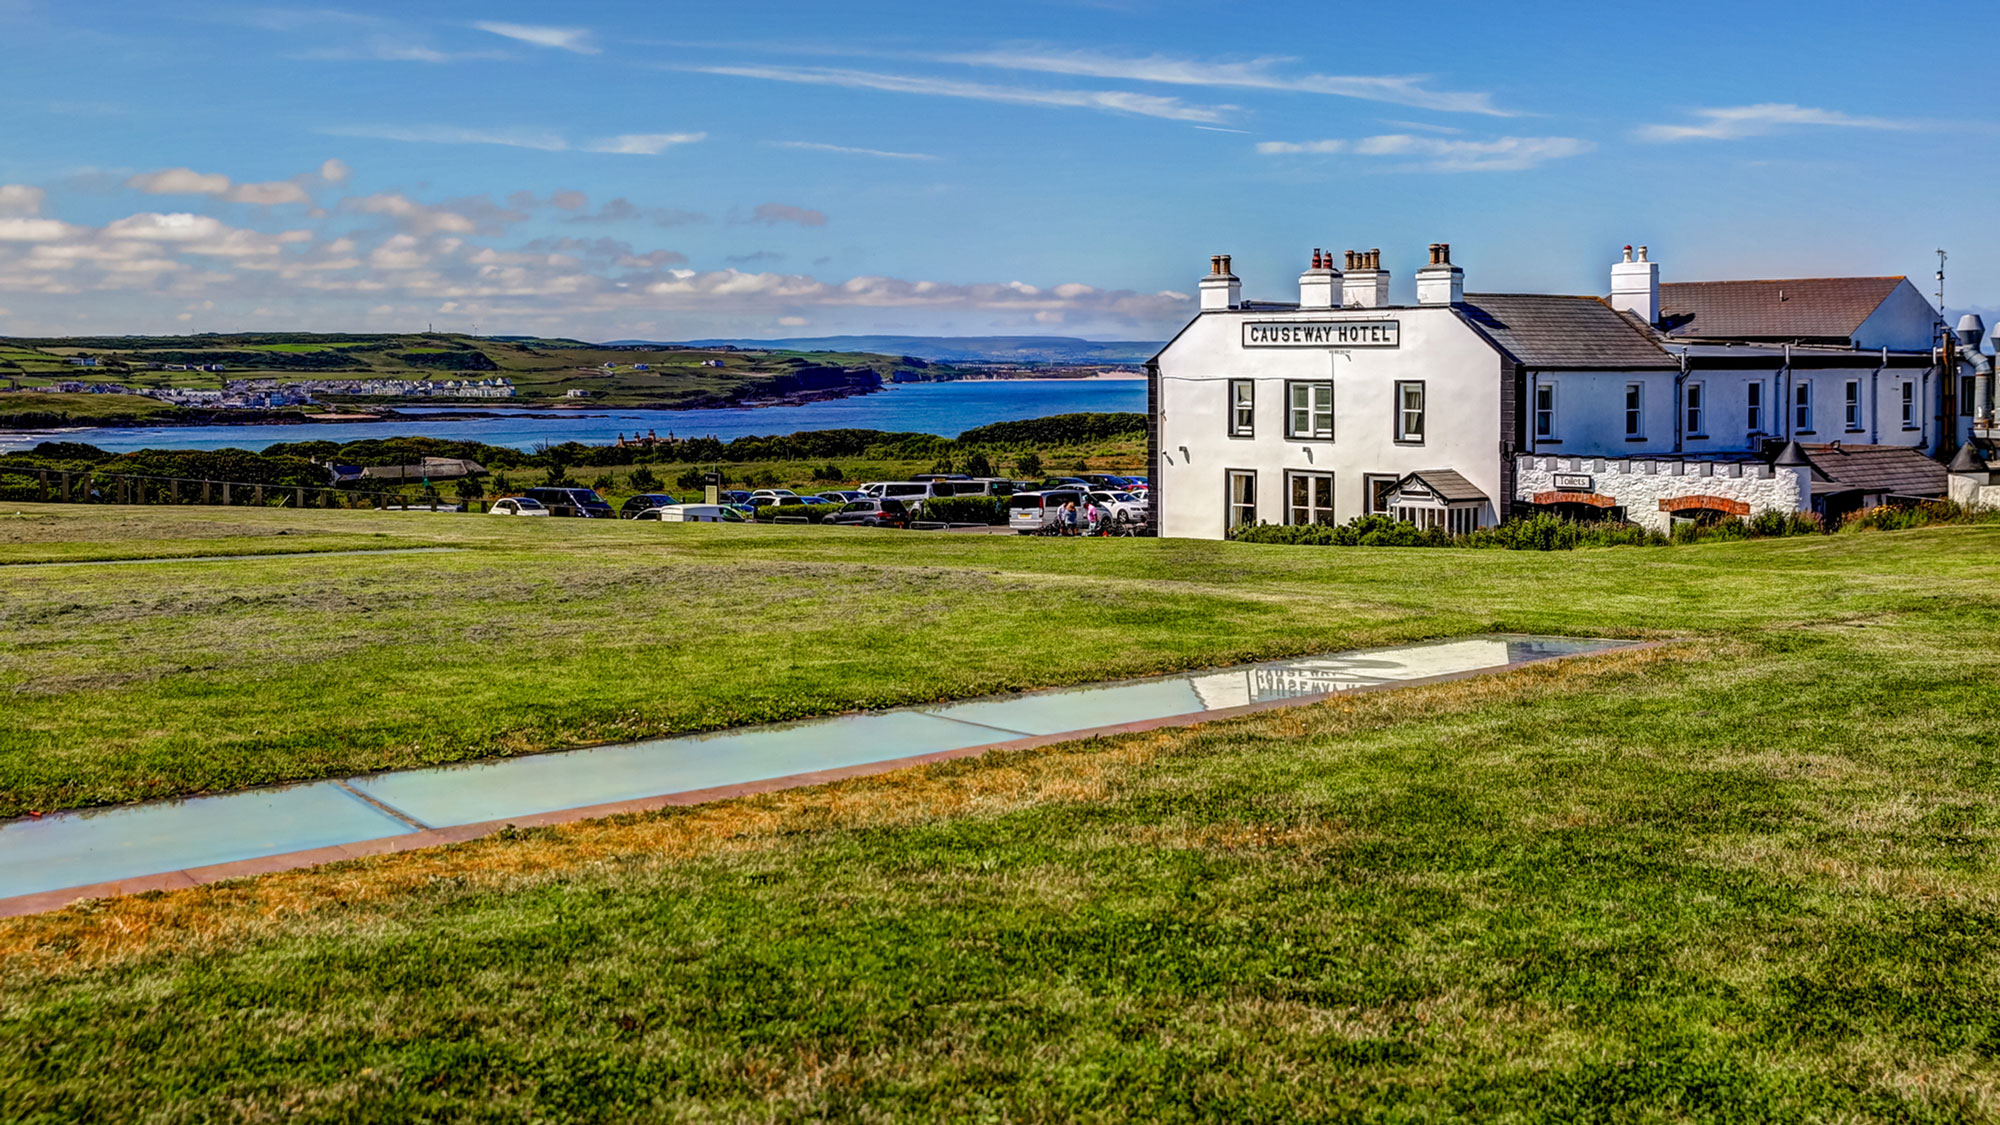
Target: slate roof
pixel 1900 469
pixel 1546 330
pixel 1449 486
pixel 1800 308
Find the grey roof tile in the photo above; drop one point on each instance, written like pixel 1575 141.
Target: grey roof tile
pixel 1900 469
pixel 1546 330
pixel 1449 486
pixel 1800 308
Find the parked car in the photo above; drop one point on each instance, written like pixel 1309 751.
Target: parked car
pixel 812 501
pixel 904 490
pixel 573 501
pixel 844 495
pixel 1066 482
pixel 645 502
pixel 1029 512
pixel 1121 507
pixel 517 506
pixel 873 513
pixel 784 495
pixel 693 513
pixel 734 496
pixel 1110 481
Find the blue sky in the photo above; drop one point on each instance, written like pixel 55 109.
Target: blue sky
pixel 673 170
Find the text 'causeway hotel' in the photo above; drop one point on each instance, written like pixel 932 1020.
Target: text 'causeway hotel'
pixel 1697 400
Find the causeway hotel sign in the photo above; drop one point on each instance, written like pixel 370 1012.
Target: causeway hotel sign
pixel 1321 334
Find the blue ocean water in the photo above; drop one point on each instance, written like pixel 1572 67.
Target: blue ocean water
pixel 945 409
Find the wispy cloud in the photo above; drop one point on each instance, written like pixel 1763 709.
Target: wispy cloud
pixel 388 49
pixel 1109 101
pixel 1437 154
pixel 575 39
pixel 632 144
pixel 772 214
pixel 450 135
pixel 1733 123
pixel 1253 74
pixel 817 146
pixel 644 144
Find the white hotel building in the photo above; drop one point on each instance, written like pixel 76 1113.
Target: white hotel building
pixel 1697 400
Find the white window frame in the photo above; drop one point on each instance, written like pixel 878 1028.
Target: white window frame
pixel 1314 514
pixel 1854 406
pixel 1237 513
pixel 1242 407
pixel 1635 412
pixel 1405 434
pixel 1802 407
pixel 1545 415
pixel 1753 405
pixel 1312 411
pixel 1697 413
pixel 1909 404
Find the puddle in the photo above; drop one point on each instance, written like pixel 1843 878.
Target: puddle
pixel 103 845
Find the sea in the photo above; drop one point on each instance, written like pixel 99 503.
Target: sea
pixel 944 409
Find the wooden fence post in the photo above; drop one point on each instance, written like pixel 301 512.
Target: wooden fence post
pixel 65 487
pixel 259 498
pixel 225 494
pixel 299 497
pixel 42 490
pixel 138 490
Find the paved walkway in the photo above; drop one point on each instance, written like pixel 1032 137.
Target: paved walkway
pixel 48 862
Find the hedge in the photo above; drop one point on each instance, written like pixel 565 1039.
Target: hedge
pixel 1056 429
pixel 966 509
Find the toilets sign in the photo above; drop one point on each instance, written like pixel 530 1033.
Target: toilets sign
pixel 1322 334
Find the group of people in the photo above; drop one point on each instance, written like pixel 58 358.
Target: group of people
pixel 1089 519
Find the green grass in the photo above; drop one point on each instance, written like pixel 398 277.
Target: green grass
pixel 82 409
pixel 1747 878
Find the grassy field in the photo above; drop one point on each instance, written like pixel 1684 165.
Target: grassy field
pixel 1745 878
pixel 542 370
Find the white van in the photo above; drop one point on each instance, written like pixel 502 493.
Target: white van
pixel 979 486
pixel 1029 512
pixel 693 513
pixel 904 490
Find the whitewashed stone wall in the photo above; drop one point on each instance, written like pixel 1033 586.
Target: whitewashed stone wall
pixel 1638 484
pixel 1973 491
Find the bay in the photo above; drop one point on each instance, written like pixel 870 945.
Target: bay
pixel 944 409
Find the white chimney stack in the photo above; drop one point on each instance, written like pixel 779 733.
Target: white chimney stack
pixel 1319 287
pixel 1366 284
pixel 1635 286
pixel 1440 283
pixel 1220 289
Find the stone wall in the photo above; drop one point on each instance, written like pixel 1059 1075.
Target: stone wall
pixel 1639 485
pixel 1974 491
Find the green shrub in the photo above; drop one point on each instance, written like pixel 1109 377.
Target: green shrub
pixel 813 513
pixel 1056 429
pixel 644 480
pixel 966 509
pixel 1901 517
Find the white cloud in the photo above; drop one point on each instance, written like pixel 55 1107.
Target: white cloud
pixel 1109 101
pixel 21 200
pixel 1253 74
pixel 179 181
pixel 34 230
pixel 1438 154
pixel 1736 122
pixel 187 181
pixel 449 135
pixel 845 150
pixel 575 39
pixel 644 144
pixel 177 227
pixel 334 172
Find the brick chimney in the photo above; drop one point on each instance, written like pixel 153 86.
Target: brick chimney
pixel 1635 286
pixel 1440 283
pixel 1319 287
pixel 1366 284
pixel 1220 289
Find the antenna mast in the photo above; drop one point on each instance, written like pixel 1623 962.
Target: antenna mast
pixel 1940 280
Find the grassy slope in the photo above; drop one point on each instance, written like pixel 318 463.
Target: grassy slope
pixel 1746 879
pixel 542 370
pixel 82 409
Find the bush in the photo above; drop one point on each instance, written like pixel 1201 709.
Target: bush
pixel 1057 429
pixel 1539 532
pixel 976 465
pixel 1902 517
pixel 966 509
pixel 603 484
pixel 829 472
pixel 814 513
pixel 1030 464
pixel 644 480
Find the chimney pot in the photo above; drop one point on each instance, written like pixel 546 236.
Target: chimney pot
pixel 1642 253
pixel 1214 265
pixel 1225 265
pixel 1628 251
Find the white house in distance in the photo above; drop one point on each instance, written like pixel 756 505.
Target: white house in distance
pixel 1693 400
